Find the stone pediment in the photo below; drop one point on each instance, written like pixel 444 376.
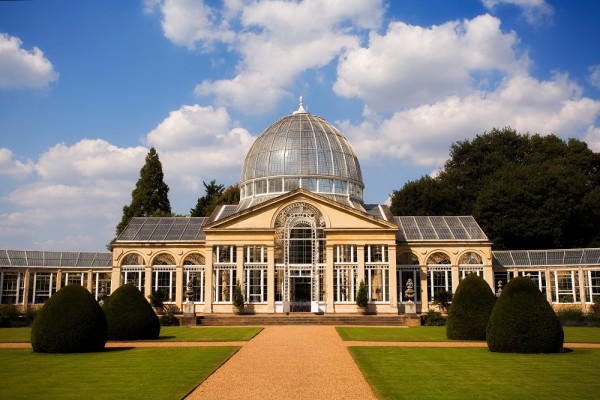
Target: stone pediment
pixel 336 216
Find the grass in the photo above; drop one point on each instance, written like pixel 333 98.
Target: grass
pixel 476 373
pixel 124 373
pixel 167 333
pixel 438 334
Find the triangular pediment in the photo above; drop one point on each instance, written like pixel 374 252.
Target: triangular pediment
pixel 336 215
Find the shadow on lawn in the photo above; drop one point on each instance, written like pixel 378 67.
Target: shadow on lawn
pixel 113 349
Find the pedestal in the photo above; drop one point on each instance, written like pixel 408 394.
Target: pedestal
pixel 189 314
pixel 410 308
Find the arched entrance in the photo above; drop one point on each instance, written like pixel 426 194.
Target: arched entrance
pixel 300 239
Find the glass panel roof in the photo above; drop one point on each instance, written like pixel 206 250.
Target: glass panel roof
pixel 17 258
pixel 558 257
pixel 155 229
pixel 418 228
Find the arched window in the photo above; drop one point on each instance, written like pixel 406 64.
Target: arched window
pixel 470 263
pixel 163 277
pixel 193 273
pixel 439 273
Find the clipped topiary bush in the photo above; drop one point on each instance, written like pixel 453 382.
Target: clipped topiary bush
pixel 523 321
pixel 130 316
pixel 470 311
pixel 71 321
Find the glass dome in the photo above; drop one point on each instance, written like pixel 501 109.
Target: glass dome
pixel 301 151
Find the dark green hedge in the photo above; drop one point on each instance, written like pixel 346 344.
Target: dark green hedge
pixel 523 321
pixel 130 316
pixel 71 321
pixel 470 310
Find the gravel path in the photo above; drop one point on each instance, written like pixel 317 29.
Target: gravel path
pixel 289 362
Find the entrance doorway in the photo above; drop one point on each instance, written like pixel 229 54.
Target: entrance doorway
pixel 300 294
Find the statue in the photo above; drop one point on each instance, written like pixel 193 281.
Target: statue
pixel 409 292
pixel 189 293
pixel 102 295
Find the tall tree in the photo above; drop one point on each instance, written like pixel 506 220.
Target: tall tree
pixel 216 195
pixel 150 198
pixel 526 191
pixel 213 191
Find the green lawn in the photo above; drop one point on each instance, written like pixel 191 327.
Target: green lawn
pixel 476 373
pixel 140 373
pixel 438 334
pixel 167 333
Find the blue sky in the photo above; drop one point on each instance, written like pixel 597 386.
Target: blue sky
pixel 87 87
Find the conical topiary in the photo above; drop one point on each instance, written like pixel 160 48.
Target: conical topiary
pixel 470 310
pixel 71 321
pixel 523 321
pixel 130 316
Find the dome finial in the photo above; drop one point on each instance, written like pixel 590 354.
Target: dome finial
pixel 301 109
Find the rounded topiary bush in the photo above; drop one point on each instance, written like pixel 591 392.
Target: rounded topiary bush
pixel 470 311
pixel 71 321
pixel 523 321
pixel 130 316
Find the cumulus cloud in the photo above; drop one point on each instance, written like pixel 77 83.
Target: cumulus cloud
pixel 594 77
pixel 11 167
pixel 277 41
pixel 534 11
pixel 199 143
pixel 423 134
pixel 411 65
pixel 191 22
pixel 20 68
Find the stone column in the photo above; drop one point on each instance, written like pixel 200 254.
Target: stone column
pixel 549 284
pixel 329 271
pixel 455 277
pixel 58 280
pixel 424 289
pixel 180 285
pixel 239 256
pixel 90 281
pixel 147 281
pixel 582 288
pixel 271 279
pixel 393 285
pixel 26 284
pixel 208 279
pixel 360 254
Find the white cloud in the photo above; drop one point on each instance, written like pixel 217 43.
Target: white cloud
pixel 198 143
pixel 189 22
pixel 20 68
pixel 534 11
pixel 594 77
pixel 422 135
pixel 13 168
pixel 411 65
pixel 280 40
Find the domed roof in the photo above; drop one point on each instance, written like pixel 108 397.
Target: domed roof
pixel 301 150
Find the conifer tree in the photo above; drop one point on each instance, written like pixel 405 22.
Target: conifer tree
pixel 151 194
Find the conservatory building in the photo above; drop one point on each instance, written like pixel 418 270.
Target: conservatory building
pixel 301 239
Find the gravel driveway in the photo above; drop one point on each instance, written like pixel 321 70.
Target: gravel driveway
pixel 289 362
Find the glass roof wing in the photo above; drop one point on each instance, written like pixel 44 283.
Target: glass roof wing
pixel 473 229
pixel 69 259
pixel 147 229
pixel 35 258
pixel 17 257
pixel 541 258
pixel 162 228
pixel 456 227
pixel 177 229
pixel 132 228
pixel 4 260
pixel 538 257
pixel 441 227
pixel 426 228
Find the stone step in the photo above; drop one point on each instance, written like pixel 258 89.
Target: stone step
pixel 305 319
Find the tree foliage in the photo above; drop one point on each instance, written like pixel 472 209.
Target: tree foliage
pixel 150 198
pixel 523 321
pixel 470 311
pixel 130 316
pixel 71 321
pixel 526 191
pixel 216 195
